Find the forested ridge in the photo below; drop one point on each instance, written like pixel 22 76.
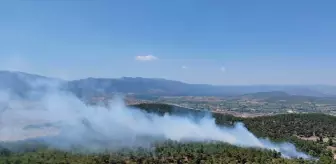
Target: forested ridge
pixel 283 127
pixel 286 125
pixel 289 127
pixel 278 128
pixel 168 152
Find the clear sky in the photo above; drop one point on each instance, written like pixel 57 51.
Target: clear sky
pixel 196 41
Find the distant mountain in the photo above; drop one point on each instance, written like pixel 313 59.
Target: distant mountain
pixel 265 95
pixel 21 83
pixel 162 87
pixel 143 86
pixel 280 96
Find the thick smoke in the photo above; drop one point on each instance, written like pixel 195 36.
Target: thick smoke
pixel 63 120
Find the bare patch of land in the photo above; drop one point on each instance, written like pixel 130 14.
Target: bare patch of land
pixel 311 138
pixel 333 149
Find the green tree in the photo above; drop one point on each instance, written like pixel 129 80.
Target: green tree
pixel 330 142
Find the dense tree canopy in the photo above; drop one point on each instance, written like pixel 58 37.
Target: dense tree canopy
pixel 284 127
pixel 279 127
pixel 169 152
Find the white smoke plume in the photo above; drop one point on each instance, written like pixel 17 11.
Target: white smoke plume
pixel 75 123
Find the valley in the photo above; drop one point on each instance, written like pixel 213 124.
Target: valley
pixel 242 106
pixel 305 120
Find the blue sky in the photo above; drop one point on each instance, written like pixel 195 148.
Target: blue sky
pixel 208 41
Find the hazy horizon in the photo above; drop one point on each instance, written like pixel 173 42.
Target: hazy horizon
pixel 59 78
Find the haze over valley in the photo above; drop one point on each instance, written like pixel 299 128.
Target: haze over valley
pixel 253 99
pixel 41 109
pixel 167 82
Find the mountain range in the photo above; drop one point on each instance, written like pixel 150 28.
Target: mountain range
pixel 21 83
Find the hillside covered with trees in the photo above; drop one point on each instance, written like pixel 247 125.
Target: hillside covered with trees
pixel 284 127
pixel 169 152
pixel 287 127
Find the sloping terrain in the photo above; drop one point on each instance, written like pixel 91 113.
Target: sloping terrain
pixel 173 152
pixel 21 83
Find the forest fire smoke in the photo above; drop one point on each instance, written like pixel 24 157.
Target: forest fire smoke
pixel 72 122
